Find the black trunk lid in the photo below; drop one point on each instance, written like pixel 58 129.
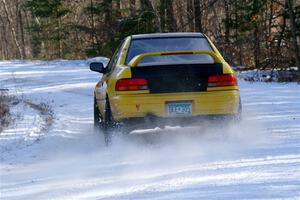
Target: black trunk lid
pixel 177 78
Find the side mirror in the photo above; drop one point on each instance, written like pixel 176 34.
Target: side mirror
pixel 97 67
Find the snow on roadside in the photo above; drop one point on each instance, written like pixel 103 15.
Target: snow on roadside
pixel 257 159
pixel 31 83
pixel 28 127
pixel 275 75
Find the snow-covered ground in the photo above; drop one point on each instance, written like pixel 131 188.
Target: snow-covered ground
pixel 65 159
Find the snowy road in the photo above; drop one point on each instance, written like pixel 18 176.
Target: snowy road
pixel 258 159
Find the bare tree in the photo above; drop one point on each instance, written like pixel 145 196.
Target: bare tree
pixel 13 32
pixel 162 15
pixel 190 15
pixel 198 16
pixel 94 27
pixel 20 20
pixel 171 21
pixel 3 39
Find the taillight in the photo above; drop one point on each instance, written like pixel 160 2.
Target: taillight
pixel 222 80
pixel 131 84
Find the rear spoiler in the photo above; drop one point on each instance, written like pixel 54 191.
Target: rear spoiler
pixel 137 59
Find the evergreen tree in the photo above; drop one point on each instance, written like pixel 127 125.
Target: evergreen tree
pixel 47 28
pixel 244 20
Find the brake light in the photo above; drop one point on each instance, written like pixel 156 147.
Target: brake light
pixel 222 80
pixel 131 84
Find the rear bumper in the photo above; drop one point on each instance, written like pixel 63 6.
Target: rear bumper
pixel 151 121
pixel 211 103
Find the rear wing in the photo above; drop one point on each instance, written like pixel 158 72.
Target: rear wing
pixel 137 59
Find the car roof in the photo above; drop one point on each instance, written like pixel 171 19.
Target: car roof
pixel 166 35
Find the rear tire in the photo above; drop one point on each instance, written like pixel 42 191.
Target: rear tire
pixel 103 124
pixel 97 117
pixel 109 124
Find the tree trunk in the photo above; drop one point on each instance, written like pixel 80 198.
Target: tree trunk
pixel 13 32
pixel 22 33
pixel 3 39
pixel 280 38
pixel 190 15
pixel 60 47
pixel 295 48
pixel 28 37
pixel 198 16
pixel 256 48
pixel 227 18
pixel 171 21
pixel 236 35
pixel 180 12
pixel 108 17
pixel 93 32
pixel 162 15
pixel 132 7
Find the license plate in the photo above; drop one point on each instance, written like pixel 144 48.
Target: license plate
pixel 176 109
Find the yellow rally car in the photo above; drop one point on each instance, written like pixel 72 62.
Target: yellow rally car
pixel 164 78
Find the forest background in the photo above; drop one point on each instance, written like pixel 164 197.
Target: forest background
pixel 262 34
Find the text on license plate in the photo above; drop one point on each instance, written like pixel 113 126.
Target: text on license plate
pixel 179 108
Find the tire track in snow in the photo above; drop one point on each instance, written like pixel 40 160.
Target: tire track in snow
pixel 214 174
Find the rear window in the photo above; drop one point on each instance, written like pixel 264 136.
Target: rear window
pixel 140 46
